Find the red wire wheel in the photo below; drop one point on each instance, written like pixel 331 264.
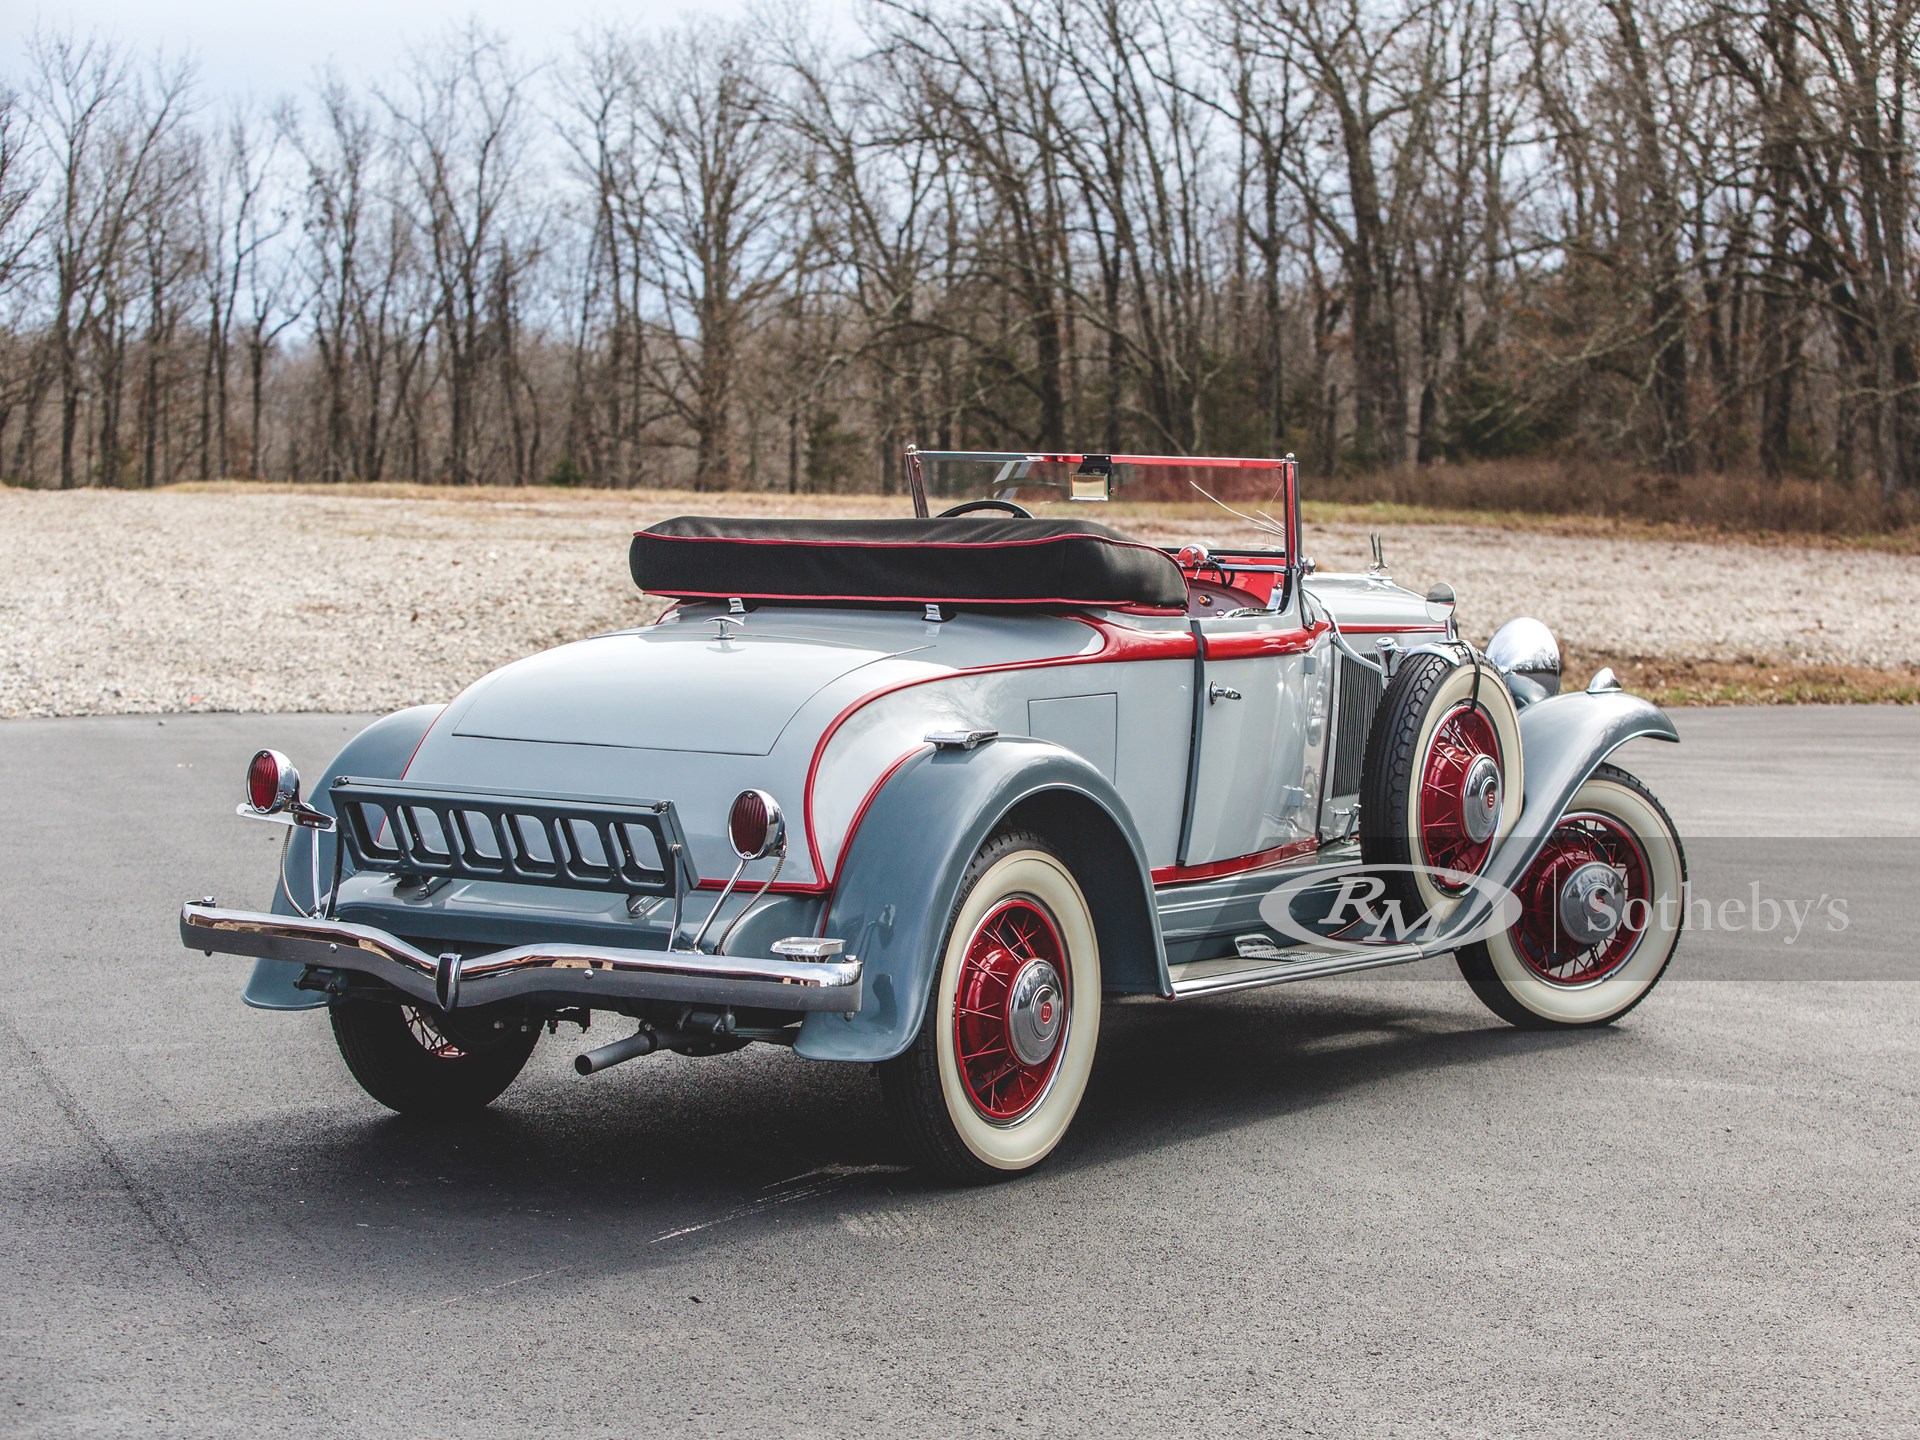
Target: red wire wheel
pixel 429 1036
pixel 1460 795
pixel 1010 1010
pixel 1541 936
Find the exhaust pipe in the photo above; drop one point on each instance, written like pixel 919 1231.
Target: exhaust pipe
pixel 696 1028
pixel 643 1041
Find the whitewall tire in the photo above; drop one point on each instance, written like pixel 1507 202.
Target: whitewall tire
pixel 1541 976
pixel 996 1073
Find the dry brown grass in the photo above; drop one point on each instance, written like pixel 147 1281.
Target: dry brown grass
pixel 1544 497
pixel 1750 682
pixel 1593 497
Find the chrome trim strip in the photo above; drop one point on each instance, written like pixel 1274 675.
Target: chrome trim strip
pixel 575 973
pixel 1216 977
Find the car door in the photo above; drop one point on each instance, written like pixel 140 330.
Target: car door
pixel 1262 739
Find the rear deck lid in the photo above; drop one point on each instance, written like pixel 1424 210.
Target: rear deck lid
pixel 676 686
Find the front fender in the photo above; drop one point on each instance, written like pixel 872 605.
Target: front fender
pixel 381 750
pixel 904 865
pixel 1563 741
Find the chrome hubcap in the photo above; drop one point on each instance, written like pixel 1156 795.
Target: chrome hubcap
pixel 1035 1012
pixel 1590 903
pixel 1480 799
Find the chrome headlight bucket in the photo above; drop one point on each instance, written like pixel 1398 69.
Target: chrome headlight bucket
pixel 1526 653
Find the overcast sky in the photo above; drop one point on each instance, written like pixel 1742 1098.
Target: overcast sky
pixel 270 46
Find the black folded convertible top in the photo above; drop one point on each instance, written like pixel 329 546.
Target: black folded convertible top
pixel 964 560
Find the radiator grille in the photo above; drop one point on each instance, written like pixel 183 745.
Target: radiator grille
pixel 1356 699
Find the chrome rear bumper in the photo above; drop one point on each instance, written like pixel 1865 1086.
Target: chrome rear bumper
pixel 559 973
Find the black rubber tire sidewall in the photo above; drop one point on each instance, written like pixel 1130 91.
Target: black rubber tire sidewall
pixel 394 1069
pixel 1391 765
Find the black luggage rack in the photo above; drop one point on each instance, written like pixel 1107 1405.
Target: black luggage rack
pixel 574 842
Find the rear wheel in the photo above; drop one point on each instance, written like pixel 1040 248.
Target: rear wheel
pixel 419 1061
pixel 1602 908
pixel 993 1078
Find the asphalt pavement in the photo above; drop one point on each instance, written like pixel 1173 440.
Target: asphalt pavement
pixel 1361 1207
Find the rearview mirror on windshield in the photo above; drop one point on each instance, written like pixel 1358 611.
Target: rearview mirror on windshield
pixel 1094 479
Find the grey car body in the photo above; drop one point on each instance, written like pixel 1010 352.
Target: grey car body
pixel 1181 763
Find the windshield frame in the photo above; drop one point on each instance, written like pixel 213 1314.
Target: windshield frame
pixel 1285 468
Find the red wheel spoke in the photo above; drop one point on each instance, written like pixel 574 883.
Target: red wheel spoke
pixel 1015 935
pixel 1460 740
pixel 1544 947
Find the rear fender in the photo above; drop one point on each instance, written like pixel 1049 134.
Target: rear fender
pixel 904 865
pixel 1563 740
pixel 380 751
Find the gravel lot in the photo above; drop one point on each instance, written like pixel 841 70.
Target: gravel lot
pixel 126 603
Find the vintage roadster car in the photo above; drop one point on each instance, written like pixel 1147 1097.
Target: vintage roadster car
pixel 922 792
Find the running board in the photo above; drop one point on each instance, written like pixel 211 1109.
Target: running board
pixel 1250 971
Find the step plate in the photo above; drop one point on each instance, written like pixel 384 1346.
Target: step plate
pixel 1238 972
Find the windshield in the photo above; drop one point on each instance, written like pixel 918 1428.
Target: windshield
pixel 1043 483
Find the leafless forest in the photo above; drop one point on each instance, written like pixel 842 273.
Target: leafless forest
pixel 1680 235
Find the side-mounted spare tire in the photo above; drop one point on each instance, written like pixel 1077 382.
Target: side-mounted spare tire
pixel 1440 786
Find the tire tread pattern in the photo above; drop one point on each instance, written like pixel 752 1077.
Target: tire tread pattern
pixel 1387 775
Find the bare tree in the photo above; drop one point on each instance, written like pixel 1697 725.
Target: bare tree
pixel 717 230
pixel 462 138
pixel 21 377
pixel 103 125
pixel 1679 233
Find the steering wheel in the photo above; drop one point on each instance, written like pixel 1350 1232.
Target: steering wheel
pixel 967 507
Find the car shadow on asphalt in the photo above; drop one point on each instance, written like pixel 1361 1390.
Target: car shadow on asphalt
pixel 672 1153
pixel 1209 1066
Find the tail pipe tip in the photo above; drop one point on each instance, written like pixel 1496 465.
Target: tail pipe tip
pixel 643 1041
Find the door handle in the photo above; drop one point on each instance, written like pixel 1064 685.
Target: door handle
pixel 1221 692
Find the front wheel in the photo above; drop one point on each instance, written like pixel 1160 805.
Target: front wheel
pixel 1601 911
pixel 419 1061
pixel 992 1080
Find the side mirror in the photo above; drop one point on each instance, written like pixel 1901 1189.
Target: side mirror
pixel 1440 603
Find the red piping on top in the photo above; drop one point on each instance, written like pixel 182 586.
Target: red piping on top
pixel 913 544
pixel 833 725
pixel 1271 642
pixel 1118 643
pixel 422 740
pixel 921 598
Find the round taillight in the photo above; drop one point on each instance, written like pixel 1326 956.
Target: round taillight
pixel 755 826
pixel 272 783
